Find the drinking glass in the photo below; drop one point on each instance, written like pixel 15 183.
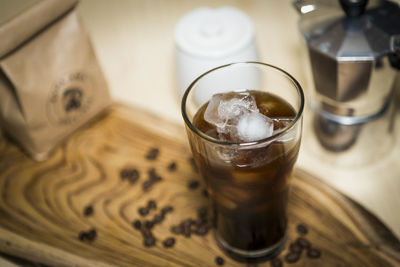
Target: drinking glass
pixel 248 182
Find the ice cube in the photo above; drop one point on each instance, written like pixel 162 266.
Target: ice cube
pixel 237 117
pixel 254 126
pixel 279 124
pixel 224 109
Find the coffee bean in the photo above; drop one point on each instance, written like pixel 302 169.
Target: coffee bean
pixel 152 154
pixel 172 166
pixel 292 257
pixel 83 236
pixel 176 229
pixel 149 241
pixel 146 232
pixel 91 235
pixel 193 163
pixel 187 222
pixel 219 260
pixel 296 248
pixel 133 180
pixel 186 231
pixel 152 204
pixel 202 212
pixel 148 224
pixel 202 230
pixel 147 185
pixel 153 175
pixel 137 224
pixel 193 184
pixel 124 173
pixel 143 211
pixel 313 253
pixel 205 192
pixel 276 262
pixel 156 179
pixel 88 211
pixel 131 174
pixel 199 222
pixel 158 218
pixel 169 242
pixel 302 229
pixel 152 172
pixel 167 209
pixel 304 243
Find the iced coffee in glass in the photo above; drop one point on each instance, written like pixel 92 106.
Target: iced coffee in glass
pixel 244 123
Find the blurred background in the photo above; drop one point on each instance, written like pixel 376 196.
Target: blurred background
pixel 135 45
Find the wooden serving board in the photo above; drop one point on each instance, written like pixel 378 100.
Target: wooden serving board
pixel 42 204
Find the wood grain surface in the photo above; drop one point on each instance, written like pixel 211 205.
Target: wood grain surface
pixel 42 204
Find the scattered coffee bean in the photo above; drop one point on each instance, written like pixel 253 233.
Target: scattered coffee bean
pixel 143 211
pixel 156 178
pixel 202 212
pixel 276 262
pixel 149 241
pixel 193 163
pixel 193 184
pixel 172 166
pixel 158 218
pixel 292 257
pixel 302 229
pixel 199 222
pixel 219 260
pixel 169 242
pixel 304 243
pixel 152 172
pixel 296 248
pixel 130 174
pixel 147 185
pixel 124 173
pixel 152 205
pixel 146 232
pixel 153 178
pixel 167 209
pixel 137 224
pixel 176 229
pixel 148 224
pixel 152 154
pixel 91 235
pixel 205 192
pixel 202 230
pixel 82 236
pixel 186 231
pixel 313 253
pixel 88 211
pixel 153 175
pixel 187 222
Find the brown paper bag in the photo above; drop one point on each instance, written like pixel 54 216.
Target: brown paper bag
pixel 50 85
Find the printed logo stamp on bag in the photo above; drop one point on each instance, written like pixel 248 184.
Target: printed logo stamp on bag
pixel 70 99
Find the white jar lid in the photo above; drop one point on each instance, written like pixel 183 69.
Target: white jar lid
pixel 213 33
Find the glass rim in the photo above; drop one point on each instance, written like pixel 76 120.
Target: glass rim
pixel 194 129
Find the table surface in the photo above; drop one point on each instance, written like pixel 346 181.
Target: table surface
pixel 134 44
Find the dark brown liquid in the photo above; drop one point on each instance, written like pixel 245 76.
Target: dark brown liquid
pixel 250 191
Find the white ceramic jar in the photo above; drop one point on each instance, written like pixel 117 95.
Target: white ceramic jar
pixel 206 38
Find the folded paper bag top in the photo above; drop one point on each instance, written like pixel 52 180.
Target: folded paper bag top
pixel 50 81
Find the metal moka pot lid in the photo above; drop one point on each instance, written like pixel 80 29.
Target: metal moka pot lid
pixel 352 30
